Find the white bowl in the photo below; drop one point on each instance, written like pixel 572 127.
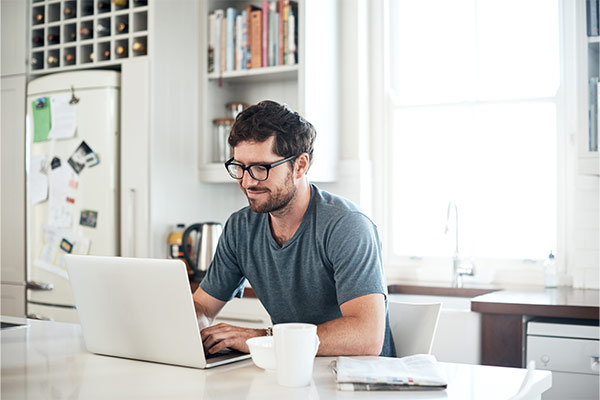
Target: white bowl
pixel 262 351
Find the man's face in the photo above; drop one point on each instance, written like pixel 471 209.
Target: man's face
pixel 278 190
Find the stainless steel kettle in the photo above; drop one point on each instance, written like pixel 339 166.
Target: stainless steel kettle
pixel 203 237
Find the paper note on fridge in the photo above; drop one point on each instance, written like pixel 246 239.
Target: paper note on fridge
pixel 63 117
pixel 38 179
pixel 62 197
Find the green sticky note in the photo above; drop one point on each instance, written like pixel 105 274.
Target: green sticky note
pixel 41 119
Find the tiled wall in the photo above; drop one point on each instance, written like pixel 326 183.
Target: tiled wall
pixel 584 264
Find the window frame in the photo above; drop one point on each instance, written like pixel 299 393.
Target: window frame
pixel 440 268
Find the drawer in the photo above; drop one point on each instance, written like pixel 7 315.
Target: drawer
pixel 563 354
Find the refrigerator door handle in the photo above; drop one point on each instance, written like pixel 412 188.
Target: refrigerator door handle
pixel 133 193
pixel 32 285
pixel 39 316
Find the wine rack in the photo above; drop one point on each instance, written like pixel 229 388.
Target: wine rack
pixel 72 34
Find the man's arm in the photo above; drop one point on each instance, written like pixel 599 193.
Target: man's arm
pixel 218 337
pixel 360 330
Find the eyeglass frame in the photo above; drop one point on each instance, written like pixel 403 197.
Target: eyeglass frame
pixel 267 166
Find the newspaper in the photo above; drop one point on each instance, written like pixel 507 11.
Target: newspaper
pixel 417 372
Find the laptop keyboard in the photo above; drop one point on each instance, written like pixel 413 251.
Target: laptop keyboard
pixel 224 352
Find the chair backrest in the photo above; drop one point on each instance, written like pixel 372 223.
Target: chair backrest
pixel 526 389
pixel 413 326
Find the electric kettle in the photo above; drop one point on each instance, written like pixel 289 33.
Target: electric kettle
pixel 203 237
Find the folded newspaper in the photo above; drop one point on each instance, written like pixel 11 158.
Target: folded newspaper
pixel 418 372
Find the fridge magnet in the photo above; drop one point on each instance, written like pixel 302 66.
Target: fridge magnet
pixel 79 158
pixel 41 119
pixel 66 246
pixel 88 218
pixel 92 160
pixel 55 163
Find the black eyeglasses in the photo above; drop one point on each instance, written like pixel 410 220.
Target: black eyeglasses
pixel 258 172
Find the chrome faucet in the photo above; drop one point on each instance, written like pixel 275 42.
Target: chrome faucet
pixel 460 267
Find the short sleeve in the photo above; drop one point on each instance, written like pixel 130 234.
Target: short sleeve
pixel 224 278
pixel 354 249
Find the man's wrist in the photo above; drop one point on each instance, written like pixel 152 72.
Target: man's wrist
pixel 269 331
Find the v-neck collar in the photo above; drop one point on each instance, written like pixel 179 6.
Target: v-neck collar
pixel 267 224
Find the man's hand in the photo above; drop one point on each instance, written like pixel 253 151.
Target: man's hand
pixel 218 337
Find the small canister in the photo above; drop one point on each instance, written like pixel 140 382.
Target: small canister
pixel 235 107
pixel 222 127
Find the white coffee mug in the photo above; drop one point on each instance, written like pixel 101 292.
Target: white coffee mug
pixel 296 346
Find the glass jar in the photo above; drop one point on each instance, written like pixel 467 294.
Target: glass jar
pixel 221 151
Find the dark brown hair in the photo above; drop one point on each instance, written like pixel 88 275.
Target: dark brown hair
pixel 293 134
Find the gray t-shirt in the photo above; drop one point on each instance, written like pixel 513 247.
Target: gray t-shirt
pixel 334 256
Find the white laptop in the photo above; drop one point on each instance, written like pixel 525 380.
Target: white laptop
pixel 141 309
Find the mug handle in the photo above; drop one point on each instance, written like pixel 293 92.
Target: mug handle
pixel 317 343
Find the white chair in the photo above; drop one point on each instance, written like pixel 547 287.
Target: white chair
pixel 525 391
pixel 413 326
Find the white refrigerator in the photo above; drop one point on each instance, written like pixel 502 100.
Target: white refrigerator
pixel 72 181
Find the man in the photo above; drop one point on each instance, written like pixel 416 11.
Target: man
pixel 310 256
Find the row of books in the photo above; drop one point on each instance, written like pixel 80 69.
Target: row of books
pixel 254 37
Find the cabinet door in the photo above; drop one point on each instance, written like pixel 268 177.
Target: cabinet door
pixel 135 143
pixel 13 300
pixel 12 263
pixel 14 21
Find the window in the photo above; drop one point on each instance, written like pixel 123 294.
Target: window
pixel 473 91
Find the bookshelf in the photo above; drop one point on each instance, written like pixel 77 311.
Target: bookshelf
pixel 588 69
pixel 309 86
pixel 75 34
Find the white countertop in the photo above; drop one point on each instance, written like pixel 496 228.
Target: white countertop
pixel 49 360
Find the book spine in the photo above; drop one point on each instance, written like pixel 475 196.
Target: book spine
pixel 265 33
pixel 280 44
pixel 291 56
pixel 286 12
pixel 217 40
pixel 239 42
pixel 256 39
pixel 211 42
pixel 248 37
pixel 231 16
pixel 223 45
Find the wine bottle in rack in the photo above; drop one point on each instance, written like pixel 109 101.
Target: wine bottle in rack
pixel 121 3
pixel 39 17
pixel 72 36
pixel 122 27
pixel 52 61
pixel 85 32
pixel 38 40
pixel 102 29
pixel 107 54
pixel 69 12
pixel 138 47
pixel 91 56
pixel 141 3
pixel 53 38
pixel 34 61
pixel 103 6
pixel 69 57
pixel 121 50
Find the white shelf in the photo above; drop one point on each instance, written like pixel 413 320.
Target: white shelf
pixel 255 74
pixel 214 173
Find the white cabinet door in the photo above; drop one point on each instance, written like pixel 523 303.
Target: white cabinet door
pixel 13 300
pixel 14 21
pixel 135 165
pixel 13 251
